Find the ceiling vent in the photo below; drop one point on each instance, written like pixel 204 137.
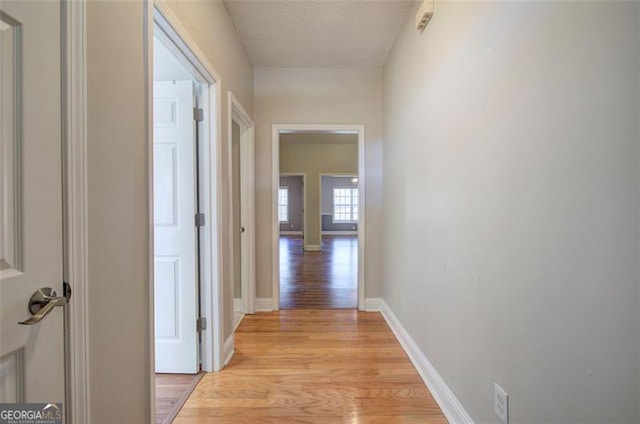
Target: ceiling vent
pixel 424 14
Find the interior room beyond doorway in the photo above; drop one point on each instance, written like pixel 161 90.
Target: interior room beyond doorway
pixel 318 213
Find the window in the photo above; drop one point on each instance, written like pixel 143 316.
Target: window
pixel 283 204
pixel 345 204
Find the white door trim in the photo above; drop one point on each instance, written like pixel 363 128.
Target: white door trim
pixel 211 300
pixel 75 210
pixel 276 130
pixel 247 203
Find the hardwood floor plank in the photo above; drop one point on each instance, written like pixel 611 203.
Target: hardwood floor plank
pixel 319 280
pixel 172 391
pixel 328 366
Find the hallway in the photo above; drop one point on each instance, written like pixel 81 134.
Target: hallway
pixel 499 196
pixel 319 280
pixel 310 366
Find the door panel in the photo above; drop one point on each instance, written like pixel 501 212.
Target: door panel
pixel 31 357
pixel 174 191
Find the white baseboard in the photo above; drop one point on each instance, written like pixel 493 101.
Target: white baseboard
pixel 237 304
pixel 340 233
pixel 373 304
pixel 290 233
pixel 229 349
pixel 264 304
pixel 237 319
pixel 312 247
pixel 451 407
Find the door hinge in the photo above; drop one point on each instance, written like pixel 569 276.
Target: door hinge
pixel 201 324
pixel 66 290
pixel 199 220
pixel 198 114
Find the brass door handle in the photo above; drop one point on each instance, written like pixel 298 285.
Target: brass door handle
pixel 41 303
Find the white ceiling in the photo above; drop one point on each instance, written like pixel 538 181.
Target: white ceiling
pixel 318 33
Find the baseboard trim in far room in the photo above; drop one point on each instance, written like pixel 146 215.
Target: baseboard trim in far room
pixel 450 405
pixel 290 233
pixel 264 304
pixel 340 233
pixel 312 247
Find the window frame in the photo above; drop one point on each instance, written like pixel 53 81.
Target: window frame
pixel 350 205
pixel 280 205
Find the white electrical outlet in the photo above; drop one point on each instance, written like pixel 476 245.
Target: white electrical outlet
pixel 501 404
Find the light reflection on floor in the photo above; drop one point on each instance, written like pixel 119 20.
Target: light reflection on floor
pixel 322 280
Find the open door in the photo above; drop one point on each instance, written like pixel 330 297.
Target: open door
pixel 31 241
pixel 242 208
pixel 175 238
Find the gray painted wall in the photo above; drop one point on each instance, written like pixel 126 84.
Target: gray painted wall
pixel 511 231
pixel 329 226
pixel 294 183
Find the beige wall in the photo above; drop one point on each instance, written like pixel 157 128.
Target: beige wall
pixel 313 159
pixel 118 215
pixel 119 212
pixel 210 26
pixel 511 158
pixel 318 96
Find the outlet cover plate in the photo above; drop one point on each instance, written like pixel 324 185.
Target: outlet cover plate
pixel 501 404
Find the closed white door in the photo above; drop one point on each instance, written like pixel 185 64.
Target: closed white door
pixel 174 179
pixel 31 243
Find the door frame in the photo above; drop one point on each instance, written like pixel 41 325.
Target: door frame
pixel 75 208
pixel 160 16
pixel 276 130
pixel 247 203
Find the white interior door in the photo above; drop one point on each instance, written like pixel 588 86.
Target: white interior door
pixel 31 243
pixel 174 180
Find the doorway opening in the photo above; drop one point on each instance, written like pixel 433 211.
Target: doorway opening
pixel 241 210
pixel 176 209
pixel 318 230
pixel 187 297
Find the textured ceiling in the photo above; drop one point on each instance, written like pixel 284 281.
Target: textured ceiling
pixel 318 33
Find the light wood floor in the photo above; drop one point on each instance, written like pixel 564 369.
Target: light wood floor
pixel 319 280
pixel 312 366
pixel 172 391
